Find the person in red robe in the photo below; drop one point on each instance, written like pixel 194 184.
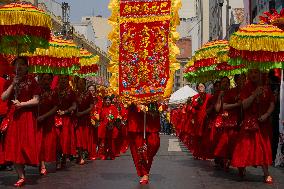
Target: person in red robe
pixel 231 117
pixel 118 125
pixel 183 118
pixel 144 150
pixel 22 95
pixel 93 131
pixel 107 130
pixel 66 123
pixel 121 124
pixel 253 146
pixel 84 107
pixel 174 118
pixel 124 128
pixel 221 150
pixel 48 102
pixel 199 103
pixel 187 129
pixel 3 112
pixel 209 137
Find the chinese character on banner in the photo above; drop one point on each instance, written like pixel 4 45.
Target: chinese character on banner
pixel 143 50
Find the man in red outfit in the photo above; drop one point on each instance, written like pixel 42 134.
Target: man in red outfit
pixel 143 149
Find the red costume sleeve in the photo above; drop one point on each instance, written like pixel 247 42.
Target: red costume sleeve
pixel 34 87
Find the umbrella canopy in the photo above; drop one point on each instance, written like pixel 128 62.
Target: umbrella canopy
pixel 211 62
pixel 23 28
pixel 206 58
pixel 181 95
pixel 62 57
pixel 88 64
pixel 257 46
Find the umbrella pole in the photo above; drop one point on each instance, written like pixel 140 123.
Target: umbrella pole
pixel 144 132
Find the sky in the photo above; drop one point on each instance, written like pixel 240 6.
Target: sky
pixel 80 8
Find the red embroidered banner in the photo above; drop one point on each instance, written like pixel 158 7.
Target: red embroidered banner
pixel 143 54
pixel 144 59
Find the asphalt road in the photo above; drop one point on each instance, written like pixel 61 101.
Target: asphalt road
pixel 173 168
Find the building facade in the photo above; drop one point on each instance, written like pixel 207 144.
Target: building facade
pixel 185 46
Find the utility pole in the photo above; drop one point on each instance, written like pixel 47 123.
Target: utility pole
pixel 220 19
pixel 228 7
pixel 66 31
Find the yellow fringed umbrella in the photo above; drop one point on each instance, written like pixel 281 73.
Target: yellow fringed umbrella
pixel 61 57
pixel 88 64
pixel 257 46
pixel 23 28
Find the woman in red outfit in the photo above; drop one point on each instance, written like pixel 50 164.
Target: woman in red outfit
pixel 143 157
pixel 48 102
pixel 66 131
pixel 209 133
pixel 183 118
pixel 125 138
pixel 22 95
pixel 188 124
pixel 221 150
pixel 84 107
pixel 107 130
pixel 231 117
pixel 199 103
pixel 179 121
pixel 253 145
pixel 93 131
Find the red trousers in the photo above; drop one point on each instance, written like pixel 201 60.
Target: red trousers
pixel 153 144
pixel 107 145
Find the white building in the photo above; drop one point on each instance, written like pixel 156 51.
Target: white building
pixel 101 28
pixel 190 22
pixel 96 30
pixel 85 28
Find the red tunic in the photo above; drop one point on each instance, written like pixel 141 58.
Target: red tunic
pixel 84 122
pixel 21 138
pixel 143 160
pixel 199 104
pixel 230 119
pixel 183 118
pixel 67 131
pixel 228 123
pixel 253 147
pixel 106 113
pixel 46 128
pixel 152 123
pixel 93 131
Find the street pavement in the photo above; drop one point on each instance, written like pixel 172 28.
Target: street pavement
pixel 173 168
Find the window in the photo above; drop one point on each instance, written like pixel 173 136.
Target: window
pixel 88 18
pixel 182 51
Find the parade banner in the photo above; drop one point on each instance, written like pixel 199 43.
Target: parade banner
pixel 143 48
